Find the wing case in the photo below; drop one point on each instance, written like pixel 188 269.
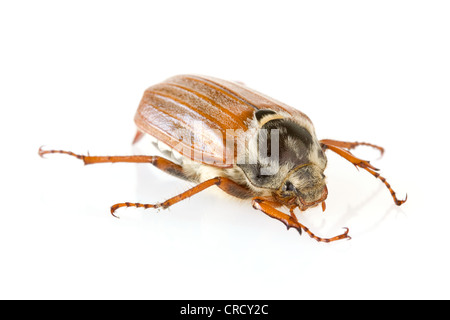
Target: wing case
pixel 193 113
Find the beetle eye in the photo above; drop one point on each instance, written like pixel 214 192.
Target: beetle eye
pixel 288 186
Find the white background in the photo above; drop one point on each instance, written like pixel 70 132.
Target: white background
pixel 72 75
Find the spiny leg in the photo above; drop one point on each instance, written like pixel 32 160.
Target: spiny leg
pixel 350 157
pixel 159 162
pixel 100 159
pixel 377 175
pixel 222 182
pixel 291 221
pixel 368 167
pixel 189 193
pixel 350 145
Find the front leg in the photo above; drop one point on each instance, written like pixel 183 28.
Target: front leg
pixel 350 145
pixel 361 164
pixel 291 221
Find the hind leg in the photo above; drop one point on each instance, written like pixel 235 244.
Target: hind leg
pixel 159 162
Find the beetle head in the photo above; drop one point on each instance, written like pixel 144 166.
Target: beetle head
pixel 305 186
pixel 295 157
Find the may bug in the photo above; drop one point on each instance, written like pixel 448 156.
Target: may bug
pixel 224 134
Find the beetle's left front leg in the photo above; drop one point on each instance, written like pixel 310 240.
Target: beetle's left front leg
pixel 291 221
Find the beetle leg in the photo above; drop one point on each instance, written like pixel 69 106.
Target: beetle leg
pixel 350 157
pixel 222 182
pixel 189 193
pixel 377 175
pixel 100 159
pixel 366 166
pixel 291 222
pixel 350 145
pixel 159 162
pixel 291 211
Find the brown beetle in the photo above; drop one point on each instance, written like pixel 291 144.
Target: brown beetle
pixel 249 145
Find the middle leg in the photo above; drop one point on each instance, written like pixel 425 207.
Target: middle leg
pixel 227 185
